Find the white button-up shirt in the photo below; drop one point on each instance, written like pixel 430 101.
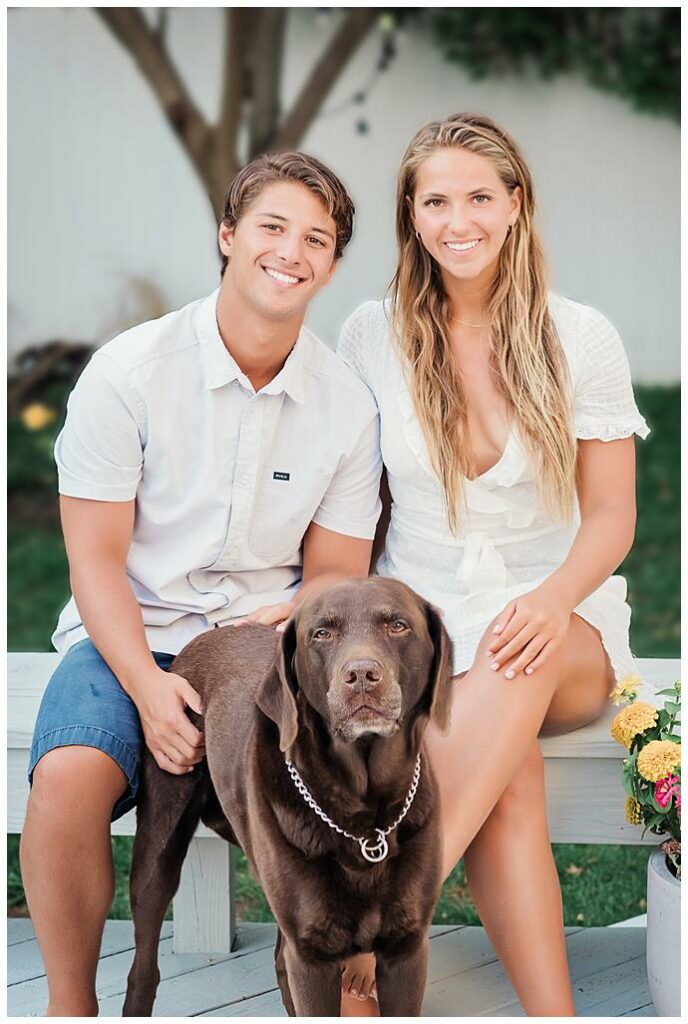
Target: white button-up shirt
pixel 226 479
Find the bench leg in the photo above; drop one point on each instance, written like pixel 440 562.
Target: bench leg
pixel 204 905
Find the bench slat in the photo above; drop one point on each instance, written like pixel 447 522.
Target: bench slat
pixel 584 794
pixel 28 674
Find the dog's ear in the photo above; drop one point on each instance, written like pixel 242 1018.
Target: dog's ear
pixel 276 695
pixel 440 671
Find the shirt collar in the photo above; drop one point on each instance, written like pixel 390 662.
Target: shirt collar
pixel 220 368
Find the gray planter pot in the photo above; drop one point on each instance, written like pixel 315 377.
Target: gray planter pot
pixel 663 937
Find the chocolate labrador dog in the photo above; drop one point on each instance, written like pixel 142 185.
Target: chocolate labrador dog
pixel 315 767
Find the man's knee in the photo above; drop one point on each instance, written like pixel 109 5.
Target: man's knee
pixel 78 779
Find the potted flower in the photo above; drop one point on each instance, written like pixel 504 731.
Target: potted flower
pixel 652 780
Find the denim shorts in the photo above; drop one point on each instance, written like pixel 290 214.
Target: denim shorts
pixel 85 705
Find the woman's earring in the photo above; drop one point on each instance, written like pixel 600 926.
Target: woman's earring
pixel 418 236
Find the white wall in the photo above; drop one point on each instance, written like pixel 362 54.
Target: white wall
pixel 101 196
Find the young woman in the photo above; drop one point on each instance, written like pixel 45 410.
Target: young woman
pixel 507 417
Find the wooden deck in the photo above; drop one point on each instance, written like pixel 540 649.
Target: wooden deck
pixel 465 978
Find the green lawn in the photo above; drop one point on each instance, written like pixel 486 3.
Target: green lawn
pixel 600 884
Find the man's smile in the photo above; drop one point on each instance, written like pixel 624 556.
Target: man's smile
pixel 286 280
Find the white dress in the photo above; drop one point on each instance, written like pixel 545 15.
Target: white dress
pixel 507 544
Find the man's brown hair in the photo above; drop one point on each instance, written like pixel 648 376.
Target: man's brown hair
pixel 301 168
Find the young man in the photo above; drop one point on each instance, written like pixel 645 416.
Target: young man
pixel 210 462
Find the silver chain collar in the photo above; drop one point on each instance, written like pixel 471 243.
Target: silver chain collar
pixel 374 850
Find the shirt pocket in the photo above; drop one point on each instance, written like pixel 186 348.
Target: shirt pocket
pixel 282 513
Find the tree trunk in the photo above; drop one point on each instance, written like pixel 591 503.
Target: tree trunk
pixel 250 90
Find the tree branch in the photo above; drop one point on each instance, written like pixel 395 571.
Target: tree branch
pixel 142 42
pixel 266 65
pixel 346 39
pixel 237 33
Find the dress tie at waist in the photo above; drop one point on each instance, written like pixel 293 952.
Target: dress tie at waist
pixel 482 567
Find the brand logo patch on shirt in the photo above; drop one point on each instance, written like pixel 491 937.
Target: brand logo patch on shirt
pixel 280 476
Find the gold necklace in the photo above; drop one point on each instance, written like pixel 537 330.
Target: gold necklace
pixel 464 322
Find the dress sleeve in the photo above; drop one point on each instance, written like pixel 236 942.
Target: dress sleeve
pixel 603 402
pixel 99 451
pixel 354 342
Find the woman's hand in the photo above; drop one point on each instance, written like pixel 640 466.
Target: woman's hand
pixel 270 615
pixel 528 631
pixel 161 699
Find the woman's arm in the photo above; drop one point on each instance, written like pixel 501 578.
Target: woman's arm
pixel 533 626
pixel 605 482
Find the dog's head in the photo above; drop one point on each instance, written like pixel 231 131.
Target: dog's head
pixel 366 655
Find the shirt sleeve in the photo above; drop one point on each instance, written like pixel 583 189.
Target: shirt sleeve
pixel 99 451
pixel 351 504
pixel 603 402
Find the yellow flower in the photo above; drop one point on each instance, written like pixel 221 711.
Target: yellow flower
pixel 36 416
pixel 631 720
pixel 632 811
pixel 625 688
pixel 658 759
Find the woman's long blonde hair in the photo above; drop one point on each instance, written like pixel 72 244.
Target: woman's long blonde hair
pixel 528 363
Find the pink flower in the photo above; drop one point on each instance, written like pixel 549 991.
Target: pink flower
pixel 667 788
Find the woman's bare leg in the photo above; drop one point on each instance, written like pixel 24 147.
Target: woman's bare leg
pixel 495 723
pixel 514 884
pixel 509 863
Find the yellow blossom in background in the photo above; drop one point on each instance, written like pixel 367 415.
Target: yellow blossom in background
pixel 658 759
pixel 631 720
pixel 632 811
pixel 625 688
pixel 37 415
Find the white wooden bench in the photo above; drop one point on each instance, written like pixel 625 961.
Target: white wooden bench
pixel 584 791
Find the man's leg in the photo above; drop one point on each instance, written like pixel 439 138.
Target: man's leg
pixel 66 862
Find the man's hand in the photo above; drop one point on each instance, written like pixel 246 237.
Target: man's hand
pixel 161 699
pixel 270 615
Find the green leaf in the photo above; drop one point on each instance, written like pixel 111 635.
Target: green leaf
pixel 628 785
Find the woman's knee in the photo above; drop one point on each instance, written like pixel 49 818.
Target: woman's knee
pixel 586 682
pixel 81 779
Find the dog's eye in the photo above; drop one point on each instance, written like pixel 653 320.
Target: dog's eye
pixel 398 626
pixel 322 634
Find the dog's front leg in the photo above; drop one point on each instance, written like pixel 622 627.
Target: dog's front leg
pixel 401 980
pixel 282 977
pixel 315 986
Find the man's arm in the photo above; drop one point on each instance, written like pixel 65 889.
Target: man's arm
pixel 327 558
pixel 97 537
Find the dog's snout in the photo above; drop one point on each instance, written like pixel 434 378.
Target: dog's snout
pixel 363 672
